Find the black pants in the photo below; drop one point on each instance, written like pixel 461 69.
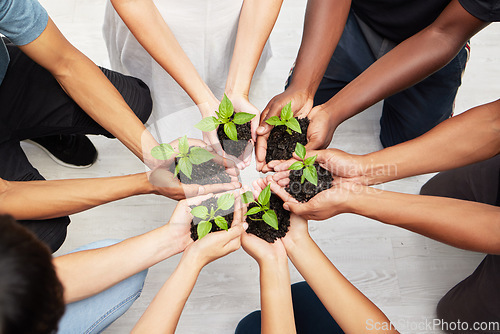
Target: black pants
pixel 33 104
pixel 477 298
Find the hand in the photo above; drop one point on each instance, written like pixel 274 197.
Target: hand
pixel 165 183
pixel 324 205
pixel 207 110
pixel 342 165
pixel 302 102
pixel 321 128
pixel 297 231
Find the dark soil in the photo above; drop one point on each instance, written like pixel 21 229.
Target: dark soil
pixel 206 173
pixel 235 148
pixel 264 231
pixel 211 203
pixel 305 191
pixel 281 144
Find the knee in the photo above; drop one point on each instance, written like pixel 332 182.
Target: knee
pixel 145 107
pixel 250 324
pixel 51 231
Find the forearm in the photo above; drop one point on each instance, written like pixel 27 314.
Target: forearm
pixel 463 224
pixel 256 22
pixel 464 139
pixel 163 313
pixel 407 64
pixel 152 32
pixel 86 273
pixel 276 299
pixel 323 26
pixel 347 305
pixel 35 199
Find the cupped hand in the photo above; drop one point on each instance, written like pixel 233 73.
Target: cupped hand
pixel 321 128
pixel 302 102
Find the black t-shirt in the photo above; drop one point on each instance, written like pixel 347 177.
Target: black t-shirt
pixel 485 10
pixel 397 20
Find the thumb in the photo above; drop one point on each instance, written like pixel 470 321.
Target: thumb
pixel 297 208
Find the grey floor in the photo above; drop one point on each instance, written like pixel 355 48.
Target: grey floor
pixel 403 273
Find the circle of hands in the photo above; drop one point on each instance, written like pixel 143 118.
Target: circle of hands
pixel 347 170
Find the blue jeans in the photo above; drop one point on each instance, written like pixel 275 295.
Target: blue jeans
pixel 96 313
pixel 407 114
pixel 311 317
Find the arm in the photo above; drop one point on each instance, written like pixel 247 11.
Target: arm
pixel 151 31
pixel 407 64
pixel 71 196
pixel 84 82
pixel 163 314
pixel 350 308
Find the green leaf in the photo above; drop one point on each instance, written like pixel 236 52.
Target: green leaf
pixel 199 155
pixel 265 195
pixel 311 175
pixel 221 222
pixel 294 125
pixel 300 150
pixel 225 202
pixel 177 169
pixel 247 197
pixel 185 166
pixel 200 212
pixel 310 161
pixel 274 120
pixel 286 112
pixel 254 210
pixel 207 124
pixel 212 212
pixel 230 130
pixel 271 219
pixel 162 152
pixel 203 228
pixel 242 117
pixel 296 166
pixel 183 145
pixel 226 108
pixel 303 177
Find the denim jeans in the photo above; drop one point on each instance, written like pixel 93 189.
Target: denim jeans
pixel 96 313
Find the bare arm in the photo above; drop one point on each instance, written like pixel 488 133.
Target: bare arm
pixel 35 199
pixel 152 32
pixel 84 82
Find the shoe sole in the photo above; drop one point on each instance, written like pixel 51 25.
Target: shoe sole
pixel 56 160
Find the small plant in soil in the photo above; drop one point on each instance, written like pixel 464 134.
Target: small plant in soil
pixel 266 217
pixel 287 131
pixel 235 132
pixel 306 165
pixel 307 177
pixel 286 118
pixel 185 158
pixel 210 214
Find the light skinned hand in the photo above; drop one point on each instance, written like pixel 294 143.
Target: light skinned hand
pixel 302 103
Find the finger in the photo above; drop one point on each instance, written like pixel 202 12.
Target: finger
pixel 283 182
pixel 196 190
pixel 300 209
pixel 266 169
pixel 195 200
pixel 213 139
pixel 275 163
pixel 247 154
pixel 283 165
pixel 253 126
pixel 232 245
pixel 282 193
pixel 261 149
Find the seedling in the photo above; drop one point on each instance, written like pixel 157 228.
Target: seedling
pixel 269 216
pixel 187 156
pixel 226 116
pixel 309 170
pixel 225 202
pixel 286 118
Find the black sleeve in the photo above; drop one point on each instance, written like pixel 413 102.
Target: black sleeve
pixel 485 10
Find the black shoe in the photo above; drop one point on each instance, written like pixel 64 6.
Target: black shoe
pixel 74 151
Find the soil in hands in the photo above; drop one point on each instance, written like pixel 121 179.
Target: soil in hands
pixel 263 230
pixel 281 144
pixel 208 172
pixel 235 147
pixel 211 203
pixel 303 192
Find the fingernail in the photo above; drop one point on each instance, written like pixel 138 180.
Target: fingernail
pixel 201 190
pixel 286 207
pixel 260 129
pixel 245 226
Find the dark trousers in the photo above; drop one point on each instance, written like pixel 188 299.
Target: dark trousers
pixel 311 317
pixel 476 298
pixel 407 114
pixel 33 105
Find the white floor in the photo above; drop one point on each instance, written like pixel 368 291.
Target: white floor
pixel 403 273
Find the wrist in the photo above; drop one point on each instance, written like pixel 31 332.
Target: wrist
pixel 145 187
pixel 375 171
pixel 307 89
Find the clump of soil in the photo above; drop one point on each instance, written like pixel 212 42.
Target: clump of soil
pixel 208 172
pixel 264 231
pixel 281 144
pixel 211 203
pixel 303 192
pixel 235 147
